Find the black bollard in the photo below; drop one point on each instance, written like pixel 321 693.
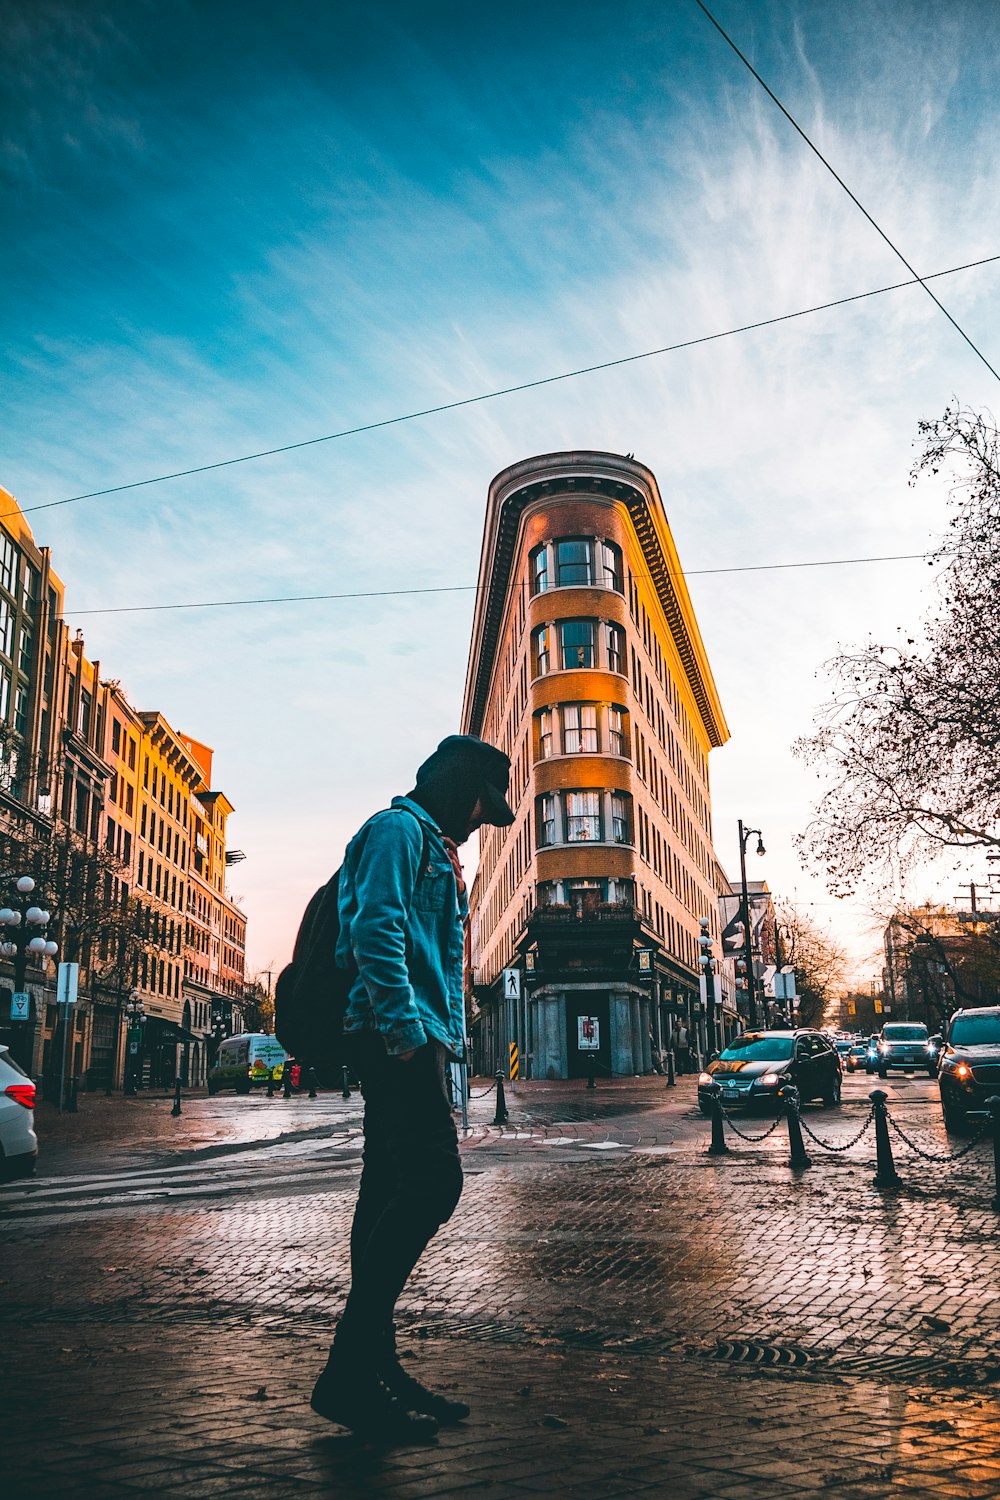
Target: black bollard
pixel 312 1083
pixel 177 1099
pixel 286 1079
pixel 270 1084
pixel 501 1117
pixel 885 1168
pixel 71 1101
pixel 671 1081
pixel 591 1072
pixel 346 1090
pixel 718 1146
pixel 993 1105
pixel 798 1156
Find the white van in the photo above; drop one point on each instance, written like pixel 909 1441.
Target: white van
pixel 246 1061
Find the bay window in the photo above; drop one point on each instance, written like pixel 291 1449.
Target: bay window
pixel 574 562
pixel 583 817
pixel 579 728
pixel 576 643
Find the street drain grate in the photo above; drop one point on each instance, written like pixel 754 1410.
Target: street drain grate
pixel 914 1366
pixel 764 1356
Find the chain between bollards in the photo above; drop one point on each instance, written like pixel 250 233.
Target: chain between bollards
pixel 501 1117
pixel 177 1099
pixel 885 1168
pixel 798 1156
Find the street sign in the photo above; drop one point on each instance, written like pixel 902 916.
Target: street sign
pixel 66 984
pixel 512 984
pixel 645 961
pixel 20 1007
pixel 588 1033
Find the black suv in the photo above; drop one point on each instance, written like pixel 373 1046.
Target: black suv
pixel 756 1065
pixel 969 1071
pixel 904 1044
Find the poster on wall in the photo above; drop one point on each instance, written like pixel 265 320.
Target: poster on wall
pixel 588 1033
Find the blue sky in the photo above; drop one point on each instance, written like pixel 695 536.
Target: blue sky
pixel 232 226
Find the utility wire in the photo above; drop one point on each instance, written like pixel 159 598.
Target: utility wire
pixel 509 390
pixel 472 588
pixel 923 280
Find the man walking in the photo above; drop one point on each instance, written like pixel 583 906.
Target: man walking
pixel 402 905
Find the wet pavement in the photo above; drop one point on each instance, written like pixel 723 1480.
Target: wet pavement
pixel 624 1312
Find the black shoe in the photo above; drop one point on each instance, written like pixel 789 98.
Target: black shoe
pixel 358 1400
pixel 416 1397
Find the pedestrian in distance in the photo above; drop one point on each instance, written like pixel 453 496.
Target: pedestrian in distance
pixel 682 1051
pixel 402 906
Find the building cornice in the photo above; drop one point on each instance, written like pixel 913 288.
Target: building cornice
pixel 579 475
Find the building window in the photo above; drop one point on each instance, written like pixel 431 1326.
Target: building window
pixel 620 830
pixel 584 896
pixel 542 644
pixel 576 639
pixel 4 693
pixel 539 570
pixel 116 737
pixel 574 563
pixel 86 703
pixel 6 627
pixel 616 731
pixel 616 648
pixel 579 728
pixel 21 710
pixel 545 734
pixel 583 817
pixel 8 563
pixel 546 820
pixel 611 567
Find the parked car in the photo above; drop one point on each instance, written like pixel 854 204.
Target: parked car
pixel 970 1064
pixel 857 1057
pixel 246 1061
pixel 756 1065
pixel 18 1141
pixel 904 1044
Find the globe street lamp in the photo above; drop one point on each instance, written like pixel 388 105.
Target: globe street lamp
pixel 22 929
pixel 747 962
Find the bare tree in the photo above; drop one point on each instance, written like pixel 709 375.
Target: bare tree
pixel 819 961
pixel 910 738
pixel 257 1004
pixel 945 960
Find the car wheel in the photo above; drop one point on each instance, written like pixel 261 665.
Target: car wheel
pixel 832 1096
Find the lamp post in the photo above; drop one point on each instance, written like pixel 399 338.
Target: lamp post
pixel 135 1014
pixel 22 927
pixel 749 978
pixel 707 961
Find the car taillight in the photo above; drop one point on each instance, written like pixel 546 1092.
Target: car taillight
pixel 22 1093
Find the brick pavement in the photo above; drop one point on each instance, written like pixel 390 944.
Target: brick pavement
pixel 593 1287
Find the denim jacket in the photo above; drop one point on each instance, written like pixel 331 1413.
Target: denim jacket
pixel 401 917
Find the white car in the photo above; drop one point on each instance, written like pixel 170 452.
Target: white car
pixel 18 1141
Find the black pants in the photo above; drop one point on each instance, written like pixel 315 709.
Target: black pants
pixel 411 1182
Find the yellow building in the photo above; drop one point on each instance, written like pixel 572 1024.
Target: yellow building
pixel 587 668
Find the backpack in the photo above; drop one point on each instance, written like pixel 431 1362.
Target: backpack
pixel 310 997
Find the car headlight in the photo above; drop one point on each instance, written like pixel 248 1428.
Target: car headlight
pixel 770 1080
pixel 704 1078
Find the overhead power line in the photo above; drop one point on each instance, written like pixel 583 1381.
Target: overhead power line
pixel 923 280
pixel 508 390
pixel 468 588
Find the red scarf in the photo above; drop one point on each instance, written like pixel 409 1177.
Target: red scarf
pixel 452 849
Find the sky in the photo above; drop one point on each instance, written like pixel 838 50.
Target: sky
pixel 235 225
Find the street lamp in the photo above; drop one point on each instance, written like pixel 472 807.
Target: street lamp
pixel 135 1014
pixel 749 980
pixel 707 961
pixel 22 928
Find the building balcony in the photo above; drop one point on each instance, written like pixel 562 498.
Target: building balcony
pixel 557 914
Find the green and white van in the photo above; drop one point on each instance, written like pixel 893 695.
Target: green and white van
pixel 247 1061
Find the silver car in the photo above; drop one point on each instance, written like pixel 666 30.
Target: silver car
pixel 18 1141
